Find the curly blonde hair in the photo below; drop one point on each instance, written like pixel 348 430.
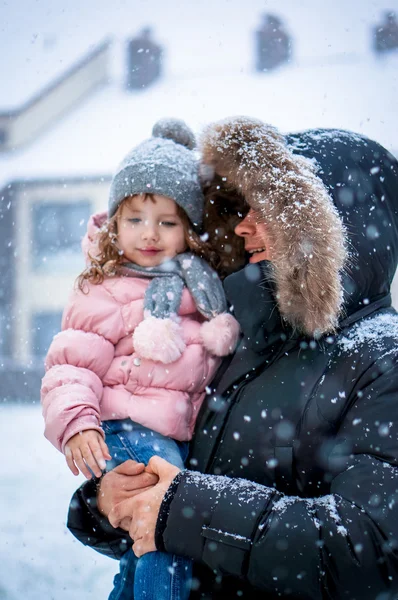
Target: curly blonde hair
pixel 110 257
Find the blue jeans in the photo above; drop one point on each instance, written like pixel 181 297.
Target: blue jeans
pixel 156 575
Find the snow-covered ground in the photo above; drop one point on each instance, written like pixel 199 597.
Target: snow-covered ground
pixel 39 558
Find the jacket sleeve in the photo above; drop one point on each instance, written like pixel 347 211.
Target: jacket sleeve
pixel 91 528
pixel 340 545
pixel 77 360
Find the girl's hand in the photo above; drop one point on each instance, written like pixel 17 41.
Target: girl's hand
pixel 142 510
pixel 87 448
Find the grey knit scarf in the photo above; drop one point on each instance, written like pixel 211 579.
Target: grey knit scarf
pixel 164 293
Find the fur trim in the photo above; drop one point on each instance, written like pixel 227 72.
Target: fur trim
pixel 220 335
pixel 159 340
pixel 305 230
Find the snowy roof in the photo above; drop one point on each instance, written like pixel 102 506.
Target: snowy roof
pixel 29 84
pixel 42 42
pixel 333 81
pixel 40 90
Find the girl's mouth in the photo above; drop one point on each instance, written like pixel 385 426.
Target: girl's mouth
pixel 149 251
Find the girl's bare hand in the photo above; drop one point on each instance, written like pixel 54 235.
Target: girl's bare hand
pixel 87 448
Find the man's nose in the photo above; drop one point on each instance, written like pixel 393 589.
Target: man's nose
pixel 245 227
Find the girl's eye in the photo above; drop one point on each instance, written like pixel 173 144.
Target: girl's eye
pixel 134 220
pixel 168 223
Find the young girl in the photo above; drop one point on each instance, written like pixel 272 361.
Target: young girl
pixel 141 336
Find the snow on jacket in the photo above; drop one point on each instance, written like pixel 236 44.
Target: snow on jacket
pixel 295 488
pixel 93 372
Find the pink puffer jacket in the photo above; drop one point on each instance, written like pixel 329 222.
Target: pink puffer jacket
pixel 93 372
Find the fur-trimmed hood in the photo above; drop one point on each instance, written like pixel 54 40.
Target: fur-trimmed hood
pixel 330 201
pixel 306 233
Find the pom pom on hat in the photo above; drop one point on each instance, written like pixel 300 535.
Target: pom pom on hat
pixel 176 130
pixel 159 340
pixel 220 335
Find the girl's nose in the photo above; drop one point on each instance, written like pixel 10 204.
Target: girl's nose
pixel 150 231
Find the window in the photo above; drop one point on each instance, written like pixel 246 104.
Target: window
pixel 4 332
pixel 44 326
pixel 58 229
pixel 3 136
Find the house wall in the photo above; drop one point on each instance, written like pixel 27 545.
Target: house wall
pixel 45 269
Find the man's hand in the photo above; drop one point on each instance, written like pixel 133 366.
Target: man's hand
pixel 87 448
pixel 124 482
pixel 142 510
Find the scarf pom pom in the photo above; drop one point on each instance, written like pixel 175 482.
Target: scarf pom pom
pixel 159 340
pixel 220 335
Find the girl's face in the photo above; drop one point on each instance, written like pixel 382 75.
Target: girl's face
pixel 256 237
pixel 150 230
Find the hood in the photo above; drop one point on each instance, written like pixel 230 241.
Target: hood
pixel 362 179
pixel 330 200
pixel 306 232
pixel 90 241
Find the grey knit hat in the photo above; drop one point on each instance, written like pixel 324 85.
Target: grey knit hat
pixel 165 165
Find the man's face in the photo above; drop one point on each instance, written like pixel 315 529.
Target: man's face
pixel 254 231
